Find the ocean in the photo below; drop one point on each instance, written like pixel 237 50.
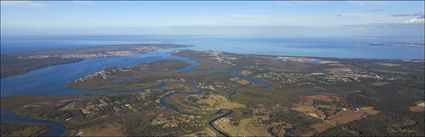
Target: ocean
pixel 341 47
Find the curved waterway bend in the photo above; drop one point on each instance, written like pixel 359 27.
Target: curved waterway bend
pixel 220 111
pixel 173 107
pixel 235 73
pixel 55 128
pixel 265 84
pixel 51 81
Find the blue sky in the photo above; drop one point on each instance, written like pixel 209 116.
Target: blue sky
pixel 271 18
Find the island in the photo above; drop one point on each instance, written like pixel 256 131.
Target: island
pixel 397 44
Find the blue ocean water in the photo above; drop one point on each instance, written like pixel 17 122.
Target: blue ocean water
pixel 343 47
pixel 52 80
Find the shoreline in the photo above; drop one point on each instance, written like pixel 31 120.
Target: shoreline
pixel 185 46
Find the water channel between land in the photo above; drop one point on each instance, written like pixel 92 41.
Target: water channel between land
pixel 47 81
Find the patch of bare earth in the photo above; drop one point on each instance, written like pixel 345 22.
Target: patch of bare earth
pixel 251 126
pixel 328 62
pixel 224 124
pixel 246 72
pixel 380 84
pixel 419 107
pixel 307 105
pixel 210 132
pixel 339 70
pixel 327 98
pixel 389 64
pixel 240 81
pixel 215 102
pixel 344 117
pixel 105 130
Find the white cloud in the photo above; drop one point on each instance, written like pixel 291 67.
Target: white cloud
pixel 22 4
pixel 415 21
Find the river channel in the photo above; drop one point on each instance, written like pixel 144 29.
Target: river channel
pixel 51 81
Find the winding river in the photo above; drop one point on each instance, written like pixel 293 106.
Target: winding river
pixel 50 80
pixel 235 73
pixel 220 111
pixel 170 94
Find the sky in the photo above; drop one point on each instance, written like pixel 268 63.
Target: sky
pixel 218 18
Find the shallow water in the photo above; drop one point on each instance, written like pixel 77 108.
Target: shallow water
pixel 344 47
pixel 51 81
pixel 56 128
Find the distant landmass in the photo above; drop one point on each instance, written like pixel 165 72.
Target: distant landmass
pixel 397 44
pixel 22 62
